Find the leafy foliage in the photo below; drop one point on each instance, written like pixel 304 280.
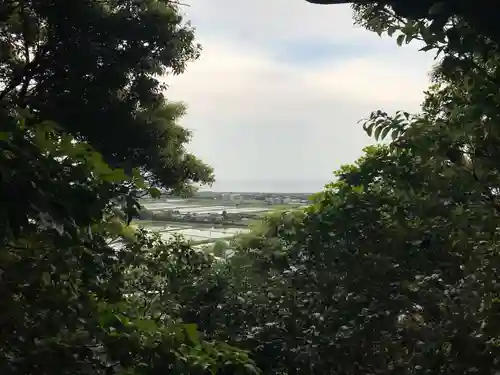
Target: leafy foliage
pixel 102 60
pixel 438 14
pixel 85 131
pixel 66 298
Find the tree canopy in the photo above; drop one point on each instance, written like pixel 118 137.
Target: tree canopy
pixel 104 61
pixel 480 14
pixel 85 131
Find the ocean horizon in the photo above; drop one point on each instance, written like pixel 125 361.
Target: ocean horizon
pixel 267 186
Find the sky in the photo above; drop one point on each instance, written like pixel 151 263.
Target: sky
pixel 275 100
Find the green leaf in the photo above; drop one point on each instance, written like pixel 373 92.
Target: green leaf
pixel 368 127
pixel 140 183
pixel 192 333
pixel 147 325
pixel 384 133
pixel 114 175
pixel 378 130
pixel 154 192
pixel 4 136
pixel 359 189
pixel 394 134
pixel 400 39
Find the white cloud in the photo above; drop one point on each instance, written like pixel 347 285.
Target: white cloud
pixel 257 117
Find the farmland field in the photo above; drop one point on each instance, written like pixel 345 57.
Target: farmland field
pixel 198 232
pixel 193 232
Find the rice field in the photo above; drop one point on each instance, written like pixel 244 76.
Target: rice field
pixel 196 232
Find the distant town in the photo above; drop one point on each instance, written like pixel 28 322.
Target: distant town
pixel 269 198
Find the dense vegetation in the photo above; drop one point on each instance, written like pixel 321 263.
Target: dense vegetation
pixel 392 270
pixel 86 131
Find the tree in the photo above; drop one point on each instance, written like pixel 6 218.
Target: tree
pixel 72 76
pixel 102 61
pixel 65 294
pixel 477 14
pixel 462 98
pixel 392 270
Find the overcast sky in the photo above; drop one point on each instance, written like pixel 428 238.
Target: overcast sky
pixel 281 85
